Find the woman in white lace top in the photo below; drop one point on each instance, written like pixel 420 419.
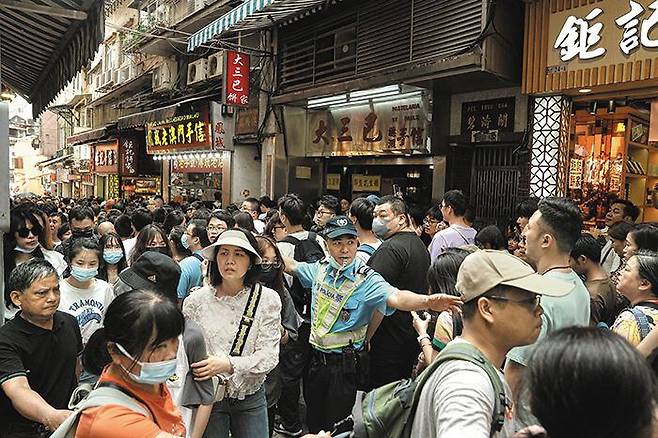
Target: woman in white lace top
pixel 241 361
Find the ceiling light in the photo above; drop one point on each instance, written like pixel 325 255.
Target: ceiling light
pixel 374 92
pixel 612 106
pixel 585 90
pixel 593 107
pixel 328 100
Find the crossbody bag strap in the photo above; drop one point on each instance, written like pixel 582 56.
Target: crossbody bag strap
pixel 247 320
pixel 124 391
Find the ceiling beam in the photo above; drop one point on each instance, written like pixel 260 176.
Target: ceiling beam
pixel 72 14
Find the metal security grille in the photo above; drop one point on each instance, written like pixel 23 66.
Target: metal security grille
pixel 355 39
pixel 495 184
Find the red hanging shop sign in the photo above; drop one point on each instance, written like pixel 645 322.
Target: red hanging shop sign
pixel 236 86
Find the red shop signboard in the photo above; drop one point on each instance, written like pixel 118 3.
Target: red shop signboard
pixel 236 87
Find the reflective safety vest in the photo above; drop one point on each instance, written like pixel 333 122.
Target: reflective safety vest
pixel 328 307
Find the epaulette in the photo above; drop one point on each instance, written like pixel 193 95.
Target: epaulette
pixel 364 270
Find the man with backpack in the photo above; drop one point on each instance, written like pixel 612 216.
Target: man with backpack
pixel 194 239
pixel 302 246
pixel 466 396
pixel 454 206
pixel 345 295
pixel 361 214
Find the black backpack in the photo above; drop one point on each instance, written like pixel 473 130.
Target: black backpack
pixel 310 251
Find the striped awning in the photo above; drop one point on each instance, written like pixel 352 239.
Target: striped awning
pixel 252 14
pixel 44 44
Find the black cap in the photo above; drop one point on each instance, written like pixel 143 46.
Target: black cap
pixel 339 226
pixel 154 271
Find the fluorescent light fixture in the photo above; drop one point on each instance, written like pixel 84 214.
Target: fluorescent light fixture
pixel 324 101
pixel 398 96
pixel 585 90
pixel 376 91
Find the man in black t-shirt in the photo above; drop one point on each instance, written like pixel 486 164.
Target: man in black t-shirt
pixel 39 352
pixel 403 261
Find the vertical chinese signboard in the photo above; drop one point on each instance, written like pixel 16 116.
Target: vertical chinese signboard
pixel 483 121
pixel 128 156
pixel 236 84
pixel 376 128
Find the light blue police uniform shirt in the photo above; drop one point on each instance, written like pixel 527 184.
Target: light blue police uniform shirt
pixel 190 276
pixel 371 295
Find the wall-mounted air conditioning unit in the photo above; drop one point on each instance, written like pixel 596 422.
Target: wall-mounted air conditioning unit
pixel 215 65
pixel 165 75
pixel 196 71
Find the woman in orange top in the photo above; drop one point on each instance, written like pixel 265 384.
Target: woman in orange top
pixel 138 348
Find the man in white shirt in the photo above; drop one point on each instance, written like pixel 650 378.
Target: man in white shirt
pixel 252 206
pixel 501 310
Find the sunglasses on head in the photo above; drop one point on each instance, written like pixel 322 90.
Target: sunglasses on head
pixel 25 232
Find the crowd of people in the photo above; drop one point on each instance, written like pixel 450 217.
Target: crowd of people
pixel 146 318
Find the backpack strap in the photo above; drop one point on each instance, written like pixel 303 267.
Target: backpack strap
pixel 198 256
pixel 105 394
pixel 247 320
pixel 366 249
pixel 291 239
pixel 467 352
pixel 642 321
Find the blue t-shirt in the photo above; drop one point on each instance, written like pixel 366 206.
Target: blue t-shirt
pixel 369 296
pixel 190 276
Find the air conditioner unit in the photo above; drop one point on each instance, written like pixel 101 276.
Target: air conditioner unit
pixel 215 65
pixel 162 14
pixel 164 75
pixel 196 71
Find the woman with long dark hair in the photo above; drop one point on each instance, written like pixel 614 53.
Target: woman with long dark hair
pixel 114 258
pixel 150 238
pixel 272 277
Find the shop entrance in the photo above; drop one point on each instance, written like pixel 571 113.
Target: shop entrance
pixel 413 182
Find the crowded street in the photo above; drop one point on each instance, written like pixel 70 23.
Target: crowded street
pixel 329 218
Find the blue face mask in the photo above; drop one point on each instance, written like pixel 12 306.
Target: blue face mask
pixel 184 241
pixel 152 373
pixel 112 256
pixel 83 274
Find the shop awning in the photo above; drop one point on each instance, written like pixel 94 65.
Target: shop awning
pixel 252 14
pixel 91 135
pixel 50 161
pixel 45 43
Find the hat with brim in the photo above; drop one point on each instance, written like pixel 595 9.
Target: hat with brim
pixel 232 238
pixel 483 270
pixel 339 226
pixel 153 270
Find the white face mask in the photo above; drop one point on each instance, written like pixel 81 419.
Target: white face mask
pixel 25 250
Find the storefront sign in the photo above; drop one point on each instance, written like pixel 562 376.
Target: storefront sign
pixel 141 186
pixel 201 165
pixel 62 175
pixel 575 173
pixel 106 158
pixel 587 44
pixel 236 85
pixel 113 186
pixel 179 133
pixel 333 181
pixel 366 183
pixel 483 121
pixel 128 156
pixel 375 128
pixel 223 127
pixel 302 172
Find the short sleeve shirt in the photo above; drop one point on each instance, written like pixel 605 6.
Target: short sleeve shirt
pixel 570 310
pixel 46 357
pixel 626 324
pixel 190 276
pixel 370 295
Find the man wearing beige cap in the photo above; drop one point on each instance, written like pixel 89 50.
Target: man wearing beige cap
pixel 501 310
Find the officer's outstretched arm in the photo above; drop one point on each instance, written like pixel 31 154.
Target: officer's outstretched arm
pixel 407 300
pixel 289 265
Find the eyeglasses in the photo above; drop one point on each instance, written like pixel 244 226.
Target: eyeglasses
pixel 25 232
pixel 215 227
pixel 279 227
pixel 323 213
pixel 533 302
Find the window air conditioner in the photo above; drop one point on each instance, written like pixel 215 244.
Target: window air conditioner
pixel 215 65
pixel 165 75
pixel 196 71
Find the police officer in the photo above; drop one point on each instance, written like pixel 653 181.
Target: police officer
pixel 345 295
